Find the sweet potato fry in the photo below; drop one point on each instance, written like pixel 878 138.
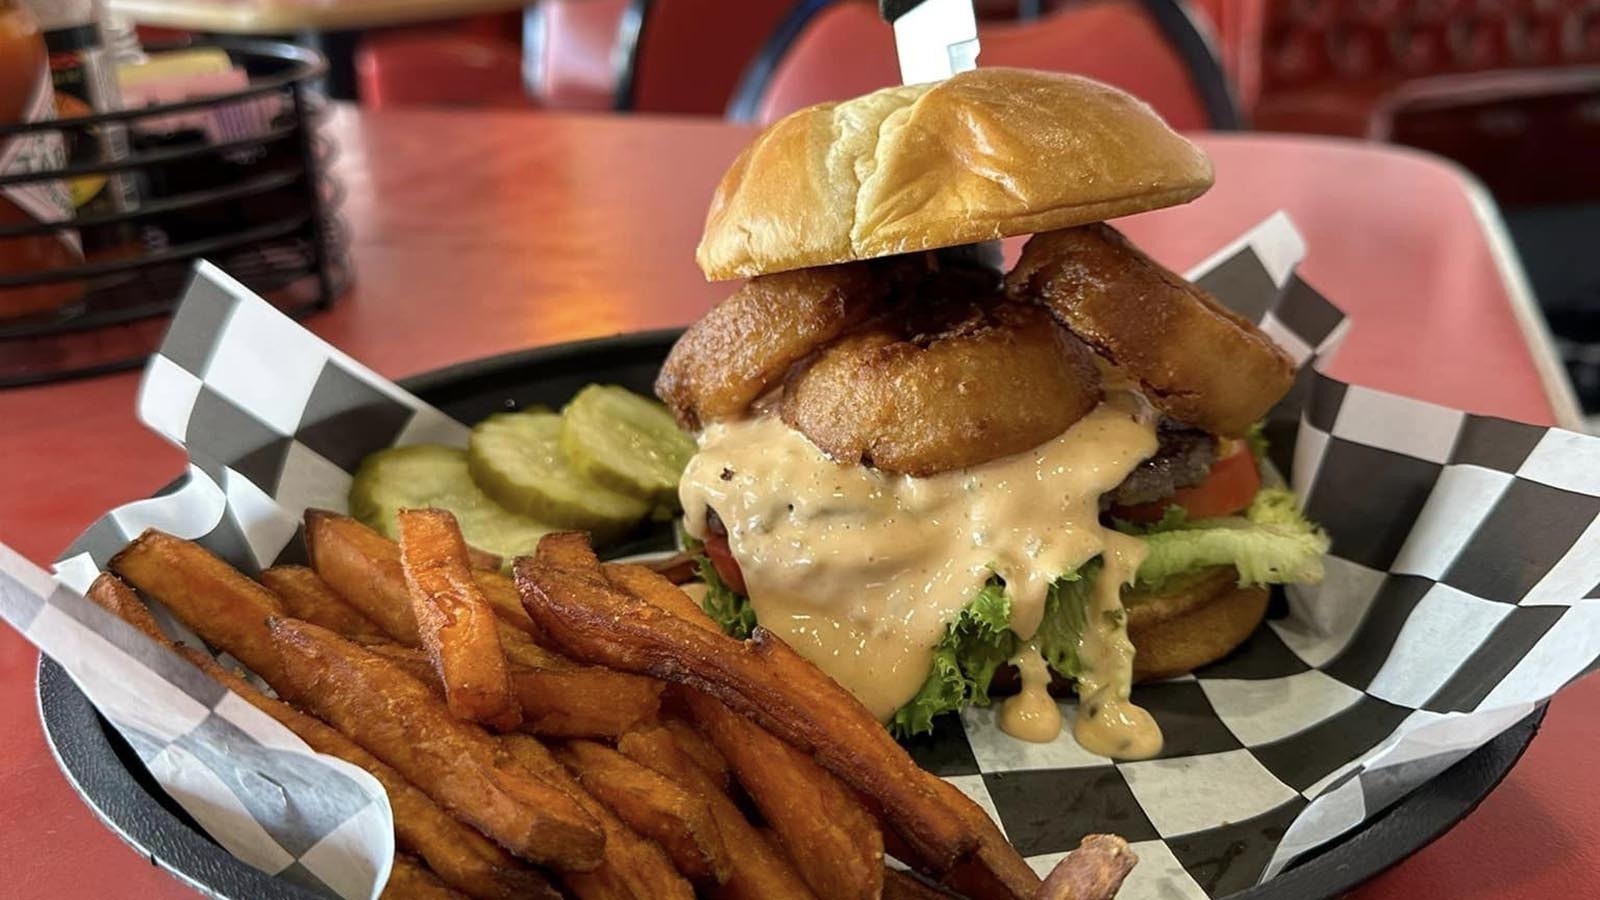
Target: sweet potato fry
pixel 501 592
pixel 521 650
pixel 213 598
pixel 363 567
pixel 761 679
pixel 633 867
pixel 995 871
pixel 410 659
pixel 653 806
pixel 399 720
pixel 678 568
pixel 483 560
pixel 758 870
pixel 1094 871
pixel 566 550
pixel 306 596
pixel 458 628
pixel 703 752
pixel 586 701
pixel 654 588
pixel 115 597
pixel 898 885
pixel 411 880
pixel 581 702
pixel 832 838
pixel 462 857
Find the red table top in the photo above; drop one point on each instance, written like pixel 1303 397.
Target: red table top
pixel 479 233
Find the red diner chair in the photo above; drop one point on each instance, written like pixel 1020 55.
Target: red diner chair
pixel 687 56
pixel 570 52
pixel 565 59
pixel 477 62
pixel 1239 26
pixel 829 50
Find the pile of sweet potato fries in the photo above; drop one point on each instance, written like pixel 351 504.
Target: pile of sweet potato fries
pixel 583 730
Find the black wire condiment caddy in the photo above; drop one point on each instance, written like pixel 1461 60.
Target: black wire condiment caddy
pixel 251 193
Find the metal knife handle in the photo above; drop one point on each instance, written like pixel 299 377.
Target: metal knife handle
pixel 936 44
pixel 894 9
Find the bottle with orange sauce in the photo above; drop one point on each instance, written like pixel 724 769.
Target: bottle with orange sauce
pixel 26 95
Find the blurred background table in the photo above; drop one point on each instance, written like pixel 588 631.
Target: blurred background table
pixel 331 26
pixel 280 16
pixel 476 233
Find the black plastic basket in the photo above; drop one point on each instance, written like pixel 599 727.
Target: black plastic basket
pixel 255 198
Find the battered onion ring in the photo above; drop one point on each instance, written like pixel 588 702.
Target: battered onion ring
pixel 747 342
pixel 1197 361
pixel 943 388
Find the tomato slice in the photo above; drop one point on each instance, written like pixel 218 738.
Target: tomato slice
pixel 1233 482
pixel 721 556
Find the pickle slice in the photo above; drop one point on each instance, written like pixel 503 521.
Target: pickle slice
pixel 626 442
pixel 425 475
pixel 516 458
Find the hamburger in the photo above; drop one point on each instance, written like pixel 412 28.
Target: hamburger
pixel 938 479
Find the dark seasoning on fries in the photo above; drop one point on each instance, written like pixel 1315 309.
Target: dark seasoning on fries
pixel 645 755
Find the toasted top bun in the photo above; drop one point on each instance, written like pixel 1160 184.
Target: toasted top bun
pixel 982 155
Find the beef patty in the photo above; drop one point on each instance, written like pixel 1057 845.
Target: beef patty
pixel 1183 459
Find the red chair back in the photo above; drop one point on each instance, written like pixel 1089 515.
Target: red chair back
pixel 570 51
pixel 1239 26
pixel 1235 25
pixel 426 66
pixel 846 50
pixel 689 54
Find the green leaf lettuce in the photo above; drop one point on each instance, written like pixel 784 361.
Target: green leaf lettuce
pixel 729 609
pixel 979 640
pixel 1271 543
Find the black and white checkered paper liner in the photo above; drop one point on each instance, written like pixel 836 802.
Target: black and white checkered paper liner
pixel 253 785
pixel 1461 591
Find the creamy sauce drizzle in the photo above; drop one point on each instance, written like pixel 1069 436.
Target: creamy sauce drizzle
pixel 1107 723
pixel 860 570
pixel 1032 714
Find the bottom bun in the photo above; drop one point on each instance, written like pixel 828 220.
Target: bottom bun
pixel 1191 621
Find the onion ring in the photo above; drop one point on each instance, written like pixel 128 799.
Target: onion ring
pixel 1196 360
pixel 945 386
pixel 745 344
